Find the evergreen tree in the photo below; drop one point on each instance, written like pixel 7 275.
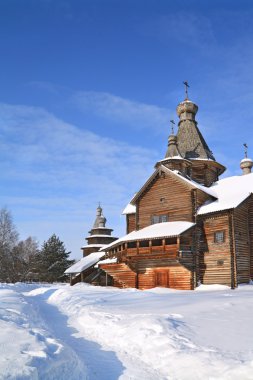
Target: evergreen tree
pixel 53 260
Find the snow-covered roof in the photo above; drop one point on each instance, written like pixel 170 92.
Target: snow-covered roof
pixel 97 235
pixel 93 246
pixel 172 157
pixel 107 261
pixel 85 263
pixel 205 189
pixel 155 231
pixel 230 192
pixel 129 209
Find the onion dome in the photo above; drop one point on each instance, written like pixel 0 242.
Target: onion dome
pixel 100 219
pixel 246 165
pixel 187 110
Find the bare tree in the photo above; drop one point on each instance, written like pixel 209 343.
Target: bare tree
pixel 24 257
pixel 8 240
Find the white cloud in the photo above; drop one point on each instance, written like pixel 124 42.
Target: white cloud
pixel 118 109
pixel 54 174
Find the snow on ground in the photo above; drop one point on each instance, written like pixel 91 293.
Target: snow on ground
pixel 84 332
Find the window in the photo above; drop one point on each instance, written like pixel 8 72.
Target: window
pixel 131 244
pixel 159 219
pixel 144 244
pixel 157 243
pixel 219 237
pixel 169 241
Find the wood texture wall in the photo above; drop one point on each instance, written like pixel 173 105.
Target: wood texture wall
pixel 131 223
pixel 242 242
pixel 165 195
pixel 214 259
pixel 250 223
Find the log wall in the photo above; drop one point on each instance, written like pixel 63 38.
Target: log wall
pixel 152 274
pixel 168 196
pixel 131 223
pixel 214 259
pixel 250 223
pixel 242 242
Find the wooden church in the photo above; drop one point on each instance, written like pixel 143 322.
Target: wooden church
pixel 186 226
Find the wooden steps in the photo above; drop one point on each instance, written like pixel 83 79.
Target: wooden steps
pixel 122 275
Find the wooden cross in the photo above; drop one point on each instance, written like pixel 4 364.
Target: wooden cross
pixel 245 150
pixel 172 126
pixel 186 88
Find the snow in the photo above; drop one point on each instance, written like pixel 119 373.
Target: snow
pixel 129 209
pixel 82 332
pixel 108 261
pixel 205 189
pixel 230 192
pixel 246 159
pixel 85 263
pixel 173 157
pixel 155 231
pixel 92 236
pixel 93 245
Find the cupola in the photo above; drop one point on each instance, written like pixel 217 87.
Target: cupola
pixel 246 163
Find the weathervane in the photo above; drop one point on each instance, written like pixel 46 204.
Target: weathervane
pixel 245 150
pixel 172 126
pixel 186 89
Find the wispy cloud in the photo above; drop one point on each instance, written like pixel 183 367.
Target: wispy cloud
pixel 55 171
pixel 115 108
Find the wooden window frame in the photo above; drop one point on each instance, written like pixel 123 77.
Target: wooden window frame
pixel 160 217
pixel 217 240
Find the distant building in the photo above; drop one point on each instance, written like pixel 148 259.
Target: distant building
pixel 86 269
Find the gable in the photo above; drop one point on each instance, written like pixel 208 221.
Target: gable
pixel 177 176
pixel 165 195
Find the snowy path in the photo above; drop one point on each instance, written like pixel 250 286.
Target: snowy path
pixel 94 363
pixel 57 332
pixel 100 364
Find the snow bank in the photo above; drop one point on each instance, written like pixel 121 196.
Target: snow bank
pixel 164 334
pixel 28 350
pixel 81 332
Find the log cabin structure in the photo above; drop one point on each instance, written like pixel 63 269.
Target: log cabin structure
pixel 86 270
pixel 186 226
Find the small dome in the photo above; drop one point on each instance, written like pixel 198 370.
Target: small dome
pixel 246 165
pixel 187 110
pixel 100 219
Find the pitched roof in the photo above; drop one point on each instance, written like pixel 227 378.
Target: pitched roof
pixel 177 175
pixel 85 263
pixel 190 142
pixel 230 191
pixel 154 231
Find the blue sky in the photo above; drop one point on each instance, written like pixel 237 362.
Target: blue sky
pixel 87 89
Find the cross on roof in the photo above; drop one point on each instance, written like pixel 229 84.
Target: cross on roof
pixel 186 88
pixel 245 150
pixel 172 126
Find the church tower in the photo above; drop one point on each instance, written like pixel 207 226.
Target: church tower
pixel 100 235
pixel 197 160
